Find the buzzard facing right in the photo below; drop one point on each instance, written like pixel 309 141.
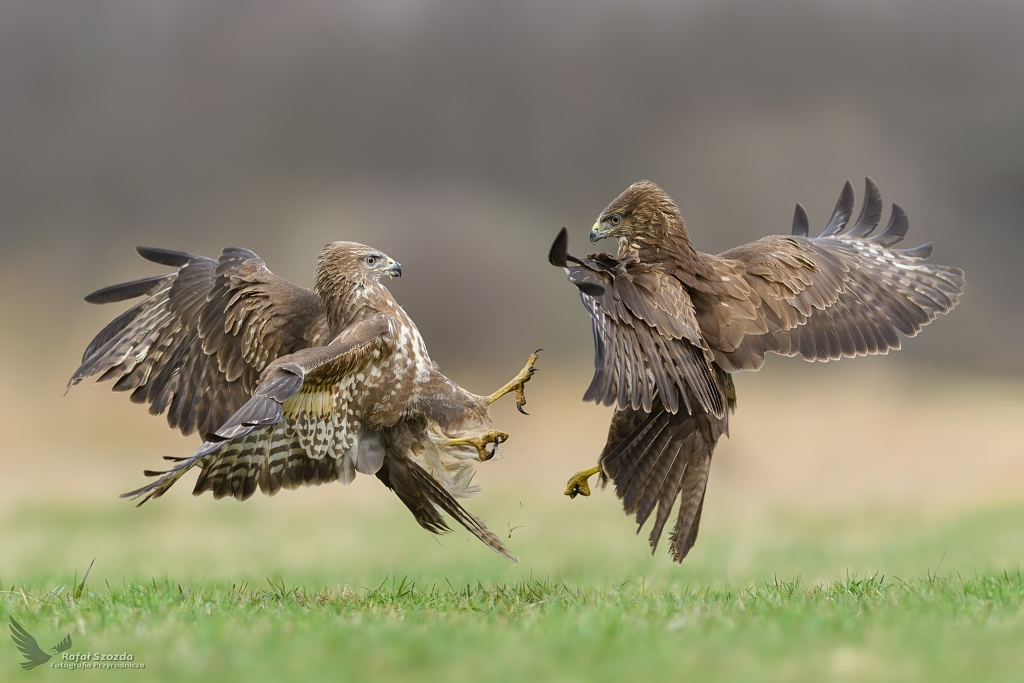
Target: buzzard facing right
pixel 292 387
pixel 671 323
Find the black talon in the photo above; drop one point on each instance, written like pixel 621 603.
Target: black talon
pixel 519 407
pixel 494 447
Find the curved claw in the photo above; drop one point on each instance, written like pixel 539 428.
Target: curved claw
pixel 485 454
pixel 576 489
pixel 578 484
pixel 480 442
pixel 530 371
pixel 518 384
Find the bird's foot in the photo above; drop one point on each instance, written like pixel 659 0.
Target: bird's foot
pixel 480 441
pixel 518 384
pixel 579 484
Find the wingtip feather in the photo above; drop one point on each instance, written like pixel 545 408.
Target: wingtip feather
pixel 841 214
pixel 559 254
pixel 871 211
pixel 896 229
pixel 801 224
pixel 165 257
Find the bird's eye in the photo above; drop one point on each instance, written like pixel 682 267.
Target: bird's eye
pixel 370 260
pixel 615 219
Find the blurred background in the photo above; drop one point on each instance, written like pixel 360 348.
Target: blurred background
pixel 459 136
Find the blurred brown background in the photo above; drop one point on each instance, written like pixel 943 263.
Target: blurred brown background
pixel 458 136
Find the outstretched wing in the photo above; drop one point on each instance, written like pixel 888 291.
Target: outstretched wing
pixel 839 294
pixel 255 447
pixel 195 346
pixel 64 645
pixel 646 338
pixel 28 646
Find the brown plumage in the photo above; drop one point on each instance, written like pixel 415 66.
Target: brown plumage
pixel 670 323
pixel 291 387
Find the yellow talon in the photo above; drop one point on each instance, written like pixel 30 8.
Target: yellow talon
pixel 480 441
pixel 518 384
pixel 578 484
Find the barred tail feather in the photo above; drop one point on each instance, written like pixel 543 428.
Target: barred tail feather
pixel 663 458
pixel 684 534
pixel 268 458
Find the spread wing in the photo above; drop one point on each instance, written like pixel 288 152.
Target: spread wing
pixel 195 346
pixel 646 337
pixel 839 294
pixel 252 449
pixel 28 646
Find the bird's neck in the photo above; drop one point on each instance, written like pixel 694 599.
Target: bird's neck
pixel 350 302
pixel 667 241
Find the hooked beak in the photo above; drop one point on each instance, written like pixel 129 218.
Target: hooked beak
pixel 392 269
pixel 596 233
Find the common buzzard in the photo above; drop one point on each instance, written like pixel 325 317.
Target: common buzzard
pixel 671 323
pixel 289 386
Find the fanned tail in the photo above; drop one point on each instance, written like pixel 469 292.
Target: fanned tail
pixel 663 458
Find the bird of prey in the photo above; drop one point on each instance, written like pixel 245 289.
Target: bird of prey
pixel 34 655
pixel 289 386
pixel 671 323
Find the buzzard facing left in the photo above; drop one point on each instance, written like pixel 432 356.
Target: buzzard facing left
pixel 671 324
pixel 289 386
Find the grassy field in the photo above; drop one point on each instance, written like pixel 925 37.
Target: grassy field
pixel 870 598
pixel 882 548
pixel 933 629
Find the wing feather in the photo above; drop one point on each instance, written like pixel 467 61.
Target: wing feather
pixel 647 341
pixel 195 346
pixel 243 434
pixel 425 497
pixel 841 294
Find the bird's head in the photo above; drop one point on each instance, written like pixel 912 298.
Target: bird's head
pixel 642 213
pixel 352 264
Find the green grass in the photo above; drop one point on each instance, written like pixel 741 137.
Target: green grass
pixel 937 628
pixel 356 592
